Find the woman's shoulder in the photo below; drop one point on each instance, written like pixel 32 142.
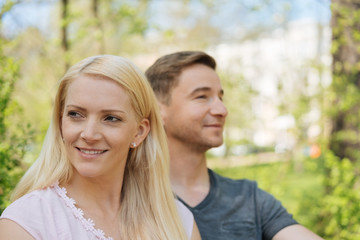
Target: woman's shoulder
pixel 50 214
pixel 32 201
pixel 186 216
pixel 34 208
pixel 183 210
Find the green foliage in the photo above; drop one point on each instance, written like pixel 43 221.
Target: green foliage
pixel 114 28
pixel 14 133
pixel 5 7
pixel 339 216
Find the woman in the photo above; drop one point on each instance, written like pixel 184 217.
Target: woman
pixel 103 169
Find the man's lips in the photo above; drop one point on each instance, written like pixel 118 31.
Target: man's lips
pixel 216 125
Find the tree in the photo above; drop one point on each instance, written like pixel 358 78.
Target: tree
pixel 340 217
pixel 14 132
pixel 64 31
pixel 345 112
pixel 98 29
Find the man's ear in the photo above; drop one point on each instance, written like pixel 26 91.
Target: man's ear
pixel 163 111
pixel 142 131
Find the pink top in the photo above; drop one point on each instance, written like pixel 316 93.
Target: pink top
pixel 51 214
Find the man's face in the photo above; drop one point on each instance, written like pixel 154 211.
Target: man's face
pixel 196 115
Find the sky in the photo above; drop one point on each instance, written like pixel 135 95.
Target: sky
pixel 251 12
pixel 25 15
pixel 229 15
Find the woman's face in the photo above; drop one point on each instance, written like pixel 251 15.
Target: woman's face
pixel 98 126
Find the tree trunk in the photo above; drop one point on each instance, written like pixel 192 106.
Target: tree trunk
pixel 64 35
pixel 99 32
pixel 345 112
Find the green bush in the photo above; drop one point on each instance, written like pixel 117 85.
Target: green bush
pixel 340 212
pixel 15 134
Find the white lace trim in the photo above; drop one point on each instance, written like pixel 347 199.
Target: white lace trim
pixel 78 213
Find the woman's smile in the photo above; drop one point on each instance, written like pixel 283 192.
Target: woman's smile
pixel 91 151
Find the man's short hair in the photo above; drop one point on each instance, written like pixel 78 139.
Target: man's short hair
pixel 164 74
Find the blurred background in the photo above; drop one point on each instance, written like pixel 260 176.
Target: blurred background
pixel 290 70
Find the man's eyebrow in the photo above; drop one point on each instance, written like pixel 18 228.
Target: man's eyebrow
pixel 200 89
pixel 205 89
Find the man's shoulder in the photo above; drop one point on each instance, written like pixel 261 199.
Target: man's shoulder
pixel 244 187
pixel 233 186
pixel 240 181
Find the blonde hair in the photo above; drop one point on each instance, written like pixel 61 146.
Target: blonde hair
pixel 148 209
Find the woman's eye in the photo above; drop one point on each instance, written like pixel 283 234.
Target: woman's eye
pixel 112 119
pixel 73 114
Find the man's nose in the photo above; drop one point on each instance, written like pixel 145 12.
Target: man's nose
pixel 219 108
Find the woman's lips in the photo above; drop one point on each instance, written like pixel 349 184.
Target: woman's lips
pixel 91 151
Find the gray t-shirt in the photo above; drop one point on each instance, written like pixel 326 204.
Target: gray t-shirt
pixel 238 209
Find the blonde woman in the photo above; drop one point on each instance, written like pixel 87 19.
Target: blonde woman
pixel 103 170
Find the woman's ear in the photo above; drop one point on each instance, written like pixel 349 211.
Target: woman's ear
pixel 142 131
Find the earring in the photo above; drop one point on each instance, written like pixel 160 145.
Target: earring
pixel 133 144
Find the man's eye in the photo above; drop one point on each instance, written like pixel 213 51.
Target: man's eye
pixel 201 97
pixel 112 119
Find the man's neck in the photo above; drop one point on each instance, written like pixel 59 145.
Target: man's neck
pixel 189 174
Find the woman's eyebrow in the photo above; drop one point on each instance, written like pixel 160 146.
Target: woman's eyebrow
pixel 104 110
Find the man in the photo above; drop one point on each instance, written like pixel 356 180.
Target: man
pixel 190 95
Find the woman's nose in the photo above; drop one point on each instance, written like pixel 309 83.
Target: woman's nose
pixel 91 131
